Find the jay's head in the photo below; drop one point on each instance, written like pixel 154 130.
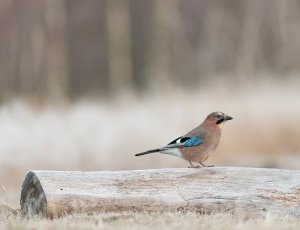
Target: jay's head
pixel 218 118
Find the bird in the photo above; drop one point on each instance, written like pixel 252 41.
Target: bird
pixel 196 145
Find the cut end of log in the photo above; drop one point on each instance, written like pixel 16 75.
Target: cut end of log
pixel 33 199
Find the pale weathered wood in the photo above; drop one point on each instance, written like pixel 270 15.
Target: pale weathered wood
pixel 242 191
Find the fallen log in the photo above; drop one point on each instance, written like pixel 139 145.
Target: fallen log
pixel 248 192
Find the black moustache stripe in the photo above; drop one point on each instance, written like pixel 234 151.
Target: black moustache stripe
pixel 220 121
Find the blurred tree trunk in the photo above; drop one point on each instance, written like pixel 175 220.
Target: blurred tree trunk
pixel 248 51
pixel 17 44
pixel 159 49
pixel 140 20
pixel 119 43
pixel 30 51
pixel 87 48
pixel 57 49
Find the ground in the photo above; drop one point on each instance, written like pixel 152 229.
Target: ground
pixel 11 219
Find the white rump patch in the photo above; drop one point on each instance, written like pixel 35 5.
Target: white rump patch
pixel 173 152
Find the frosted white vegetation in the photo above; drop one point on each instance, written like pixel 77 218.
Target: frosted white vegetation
pixel 105 134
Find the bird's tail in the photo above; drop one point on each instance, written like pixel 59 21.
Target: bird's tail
pixel 148 152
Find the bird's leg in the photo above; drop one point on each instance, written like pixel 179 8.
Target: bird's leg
pixel 205 165
pixel 192 166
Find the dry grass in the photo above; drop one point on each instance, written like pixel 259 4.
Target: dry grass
pixel 129 220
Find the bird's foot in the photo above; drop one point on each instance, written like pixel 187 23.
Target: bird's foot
pixel 195 167
pixel 192 166
pixel 203 165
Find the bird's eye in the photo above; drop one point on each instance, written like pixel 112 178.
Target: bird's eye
pixel 219 116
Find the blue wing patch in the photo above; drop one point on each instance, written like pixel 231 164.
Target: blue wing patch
pixel 193 141
pixel 187 141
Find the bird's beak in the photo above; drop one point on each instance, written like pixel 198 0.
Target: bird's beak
pixel 227 118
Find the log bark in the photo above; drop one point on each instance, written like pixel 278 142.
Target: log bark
pixel 247 192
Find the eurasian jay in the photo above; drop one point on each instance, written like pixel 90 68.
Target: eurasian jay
pixel 196 145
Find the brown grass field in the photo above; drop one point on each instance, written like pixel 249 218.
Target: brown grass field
pixel 128 220
pixel 105 134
